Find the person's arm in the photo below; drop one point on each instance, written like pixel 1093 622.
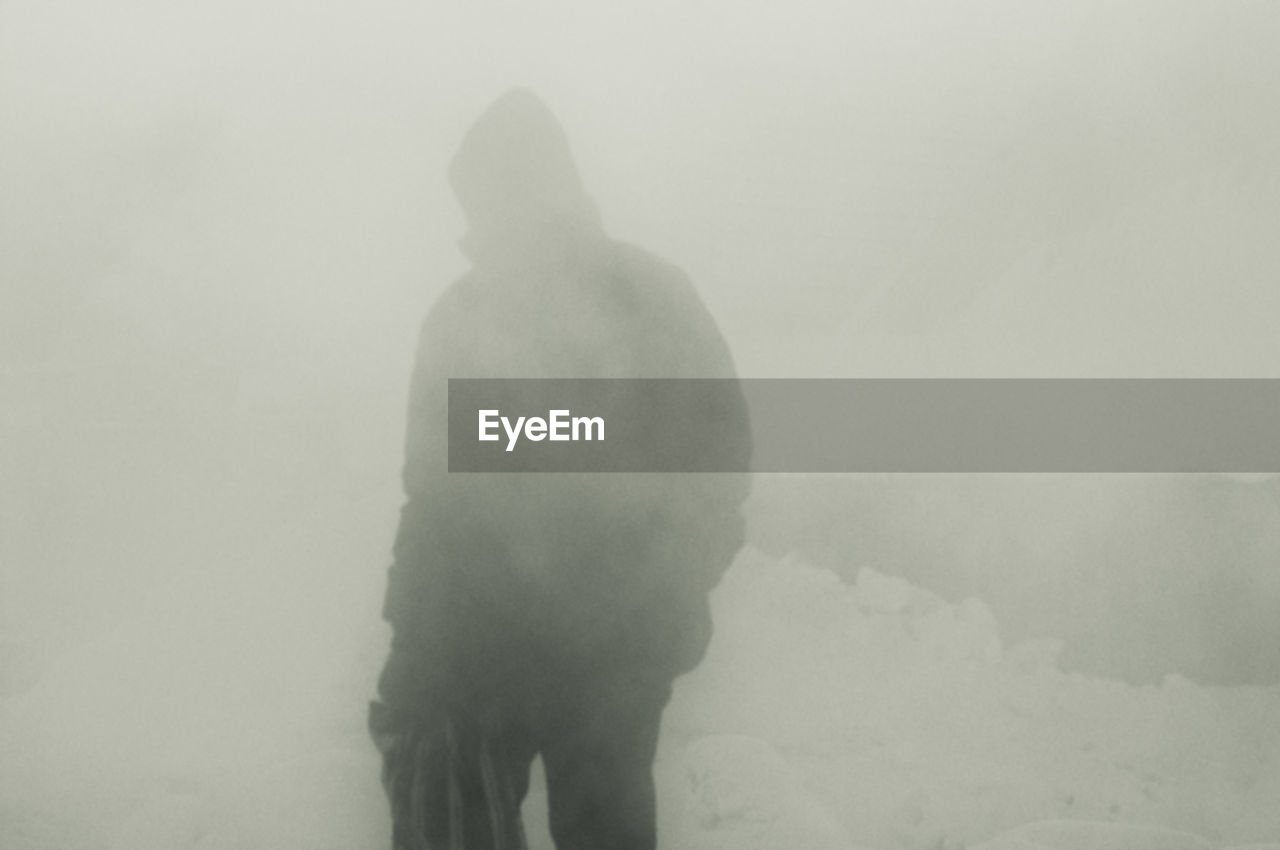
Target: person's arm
pixel 417 543
pixel 705 525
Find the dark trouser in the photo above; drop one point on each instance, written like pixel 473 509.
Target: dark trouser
pixel 463 767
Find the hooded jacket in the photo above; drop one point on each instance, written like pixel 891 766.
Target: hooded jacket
pixel 596 566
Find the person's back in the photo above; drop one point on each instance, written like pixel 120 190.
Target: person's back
pixel 546 613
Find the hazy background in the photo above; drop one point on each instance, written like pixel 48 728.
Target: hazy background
pixel 221 223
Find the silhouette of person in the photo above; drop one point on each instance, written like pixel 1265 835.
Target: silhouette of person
pixel 546 614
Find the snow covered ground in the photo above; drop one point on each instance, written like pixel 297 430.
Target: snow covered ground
pixel 229 714
pixel 908 724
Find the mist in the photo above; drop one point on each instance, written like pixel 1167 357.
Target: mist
pixel 222 224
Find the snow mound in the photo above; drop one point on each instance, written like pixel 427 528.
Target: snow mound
pixel 912 725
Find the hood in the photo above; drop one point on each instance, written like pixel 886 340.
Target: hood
pixel 514 174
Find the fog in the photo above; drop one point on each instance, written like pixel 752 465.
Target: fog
pixel 221 225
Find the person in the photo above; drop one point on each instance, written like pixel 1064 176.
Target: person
pixel 547 614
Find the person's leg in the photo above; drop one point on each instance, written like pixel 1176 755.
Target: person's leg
pixel 599 764
pixel 446 779
pixel 492 759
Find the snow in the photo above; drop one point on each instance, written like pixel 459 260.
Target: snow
pixel 229 714
pixel 914 727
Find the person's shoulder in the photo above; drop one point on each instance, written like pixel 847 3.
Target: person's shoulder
pixel 656 279
pixel 457 300
pixel 439 328
pixel 644 263
pixel 450 300
pixel 671 301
